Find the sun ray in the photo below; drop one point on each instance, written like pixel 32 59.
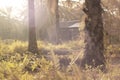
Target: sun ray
pixel 16 5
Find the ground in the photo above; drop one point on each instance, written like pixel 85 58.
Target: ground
pixel 16 63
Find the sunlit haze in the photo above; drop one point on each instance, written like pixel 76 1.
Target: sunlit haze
pixel 16 6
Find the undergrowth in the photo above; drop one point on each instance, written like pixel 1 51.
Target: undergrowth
pixel 16 63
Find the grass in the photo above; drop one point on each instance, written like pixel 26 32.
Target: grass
pixel 16 63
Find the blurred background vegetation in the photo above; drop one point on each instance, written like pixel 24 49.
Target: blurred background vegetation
pixel 52 61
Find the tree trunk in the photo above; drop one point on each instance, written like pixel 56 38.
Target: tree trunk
pixel 57 22
pixel 94 47
pixel 53 7
pixel 32 46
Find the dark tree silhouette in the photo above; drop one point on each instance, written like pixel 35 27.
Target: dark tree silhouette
pixel 94 34
pixel 32 46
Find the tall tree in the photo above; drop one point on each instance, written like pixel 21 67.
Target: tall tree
pixel 57 22
pixel 94 48
pixel 32 47
pixel 54 9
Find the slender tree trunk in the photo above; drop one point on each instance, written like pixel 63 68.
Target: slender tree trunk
pixel 32 46
pixel 57 22
pixel 94 48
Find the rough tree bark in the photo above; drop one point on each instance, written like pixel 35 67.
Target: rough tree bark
pixel 94 48
pixel 32 45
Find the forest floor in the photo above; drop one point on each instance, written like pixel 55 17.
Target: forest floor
pixel 53 62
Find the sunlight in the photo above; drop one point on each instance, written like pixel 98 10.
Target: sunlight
pixel 16 6
pixel 9 3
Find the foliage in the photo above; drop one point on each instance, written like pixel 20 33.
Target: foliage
pixel 12 29
pixel 16 63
